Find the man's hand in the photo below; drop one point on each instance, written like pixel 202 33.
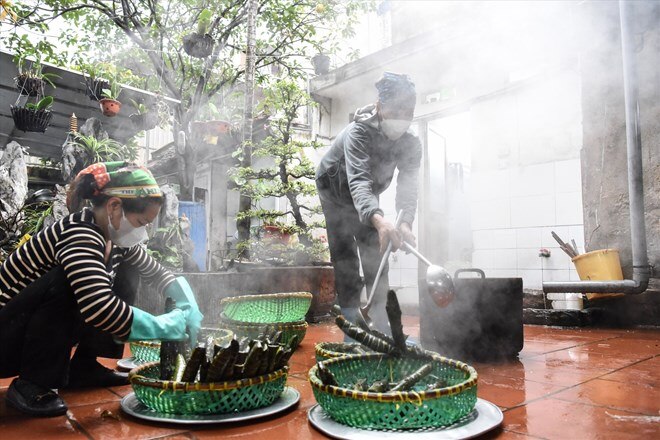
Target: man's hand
pixel 386 233
pixel 407 234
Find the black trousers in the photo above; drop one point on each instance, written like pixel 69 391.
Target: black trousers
pixel 352 244
pixel 40 326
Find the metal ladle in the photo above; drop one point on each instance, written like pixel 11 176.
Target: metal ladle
pixel 439 283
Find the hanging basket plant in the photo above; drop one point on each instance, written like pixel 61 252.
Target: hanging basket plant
pixel 200 44
pixel 144 121
pixel 34 117
pixel 95 88
pixel 321 64
pixel 30 86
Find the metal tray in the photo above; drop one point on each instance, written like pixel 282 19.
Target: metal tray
pixel 127 363
pixel 132 406
pixel 483 418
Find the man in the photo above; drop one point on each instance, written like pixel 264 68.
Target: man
pixel 358 167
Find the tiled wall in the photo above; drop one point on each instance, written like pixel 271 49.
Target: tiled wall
pixel 513 212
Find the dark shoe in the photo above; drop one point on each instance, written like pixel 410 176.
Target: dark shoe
pixel 85 374
pixel 35 400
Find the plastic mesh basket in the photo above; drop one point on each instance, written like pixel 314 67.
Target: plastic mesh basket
pixel 267 308
pixel 402 410
pixel 205 398
pixel 253 330
pixel 149 351
pixel 329 350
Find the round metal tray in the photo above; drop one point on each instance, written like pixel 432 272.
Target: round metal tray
pixel 127 363
pixel 132 406
pixel 483 418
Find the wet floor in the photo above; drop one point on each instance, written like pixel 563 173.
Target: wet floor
pixel 567 384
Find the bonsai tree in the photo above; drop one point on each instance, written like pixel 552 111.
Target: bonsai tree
pixel 291 177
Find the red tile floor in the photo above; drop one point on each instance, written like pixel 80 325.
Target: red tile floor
pixel 567 384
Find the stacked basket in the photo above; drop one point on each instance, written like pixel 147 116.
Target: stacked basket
pixel 252 315
pixel 149 351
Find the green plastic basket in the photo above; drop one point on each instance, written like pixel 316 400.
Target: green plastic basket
pixel 149 351
pixel 329 350
pixel 205 398
pixel 267 308
pixel 253 330
pixel 400 410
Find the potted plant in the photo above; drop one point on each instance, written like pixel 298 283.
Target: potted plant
pixel 31 81
pixel 212 128
pixel 110 106
pixel 143 119
pixel 321 63
pixel 200 44
pixel 102 150
pixel 33 117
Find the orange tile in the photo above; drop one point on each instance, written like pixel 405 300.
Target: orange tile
pixel 507 392
pixel 87 396
pixel 578 358
pixel 637 398
pixel 5 382
pixel 121 391
pixel 558 419
pixel 537 370
pixel 633 349
pixel 501 434
pixel 106 421
pixel 14 425
pixel 642 373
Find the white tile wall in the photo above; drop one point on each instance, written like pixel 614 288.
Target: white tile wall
pixel 532 211
pixel 489 184
pixel 568 176
pixel 556 275
pixel 503 239
pixel 569 208
pixel 491 214
pixel 546 235
pixel 528 259
pixel 577 233
pixel 482 239
pixel 532 279
pixel 533 180
pixel 503 259
pixel 557 260
pixel 529 238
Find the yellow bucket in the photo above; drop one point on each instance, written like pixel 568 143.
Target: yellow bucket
pixel 600 265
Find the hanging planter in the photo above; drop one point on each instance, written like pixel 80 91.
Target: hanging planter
pixel 109 103
pixel 198 45
pixel 33 117
pixel 95 88
pixel 110 107
pixel 144 121
pixel 321 64
pixel 28 85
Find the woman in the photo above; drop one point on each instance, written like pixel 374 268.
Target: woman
pixel 73 283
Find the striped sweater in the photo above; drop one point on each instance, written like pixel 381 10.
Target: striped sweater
pixel 76 243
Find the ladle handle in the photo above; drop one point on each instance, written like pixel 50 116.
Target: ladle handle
pixel 383 260
pixel 416 253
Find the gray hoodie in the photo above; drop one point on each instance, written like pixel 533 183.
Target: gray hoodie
pixel 360 165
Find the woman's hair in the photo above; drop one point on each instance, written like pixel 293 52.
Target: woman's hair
pixel 84 187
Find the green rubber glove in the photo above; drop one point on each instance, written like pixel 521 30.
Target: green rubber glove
pixel 168 327
pixel 181 292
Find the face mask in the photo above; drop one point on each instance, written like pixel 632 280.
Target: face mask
pixel 127 235
pixel 393 129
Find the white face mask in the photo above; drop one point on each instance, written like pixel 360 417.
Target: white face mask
pixel 127 235
pixel 393 129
